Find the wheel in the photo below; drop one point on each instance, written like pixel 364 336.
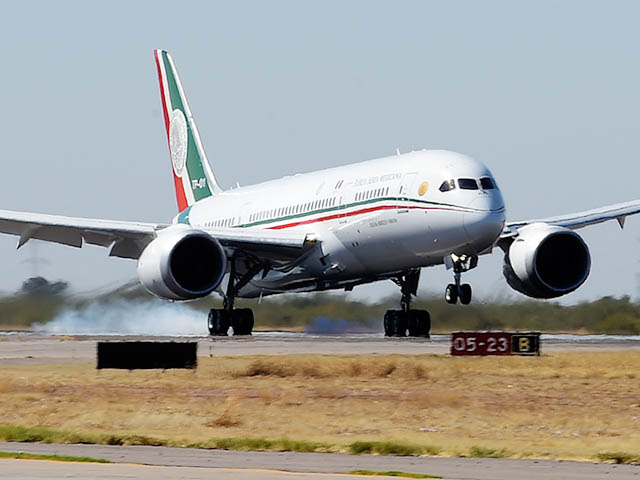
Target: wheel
pixel 413 321
pixel 423 323
pixel 218 322
pixel 388 323
pixel 395 323
pixel 451 294
pixel 242 321
pixel 465 294
pixel 401 323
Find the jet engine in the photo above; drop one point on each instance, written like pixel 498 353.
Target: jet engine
pixel 182 264
pixel 546 261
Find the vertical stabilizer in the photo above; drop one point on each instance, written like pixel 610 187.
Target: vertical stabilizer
pixel 192 174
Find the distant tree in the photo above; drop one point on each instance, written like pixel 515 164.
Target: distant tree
pixel 40 286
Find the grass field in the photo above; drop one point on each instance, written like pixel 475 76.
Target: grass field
pixel 565 405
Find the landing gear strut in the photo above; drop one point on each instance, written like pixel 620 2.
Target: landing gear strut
pixel 240 319
pixel 457 290
pixel 397 323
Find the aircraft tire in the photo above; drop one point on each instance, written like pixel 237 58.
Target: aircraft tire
pixel 465 294
pixel 395 323
pixel 451 294
pixel 401 323
pixel 218 322
pixel 242 321
pixel 413 319
pixel 423 323
pixel 388 324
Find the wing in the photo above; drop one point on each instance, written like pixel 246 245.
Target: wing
pixel 128 239
pixel 619 212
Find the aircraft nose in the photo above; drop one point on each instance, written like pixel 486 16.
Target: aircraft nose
pixel 484 221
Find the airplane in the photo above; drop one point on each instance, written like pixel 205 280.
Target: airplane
pixel 382 219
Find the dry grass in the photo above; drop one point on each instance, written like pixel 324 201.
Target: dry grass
pixel 568 405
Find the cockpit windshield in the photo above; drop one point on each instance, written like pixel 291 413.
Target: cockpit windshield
pixel 487 183
pixel 468 184
pixel 448 185
pixel 484 183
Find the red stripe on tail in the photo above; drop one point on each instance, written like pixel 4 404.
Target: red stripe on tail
pixel 179 186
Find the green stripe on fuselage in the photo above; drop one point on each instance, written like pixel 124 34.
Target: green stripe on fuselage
pixel 398 200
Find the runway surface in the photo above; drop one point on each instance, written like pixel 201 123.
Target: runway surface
pixel 158 463
pixel 168 463
pixel 30 348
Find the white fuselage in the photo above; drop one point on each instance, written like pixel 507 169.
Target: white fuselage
pixel 374 219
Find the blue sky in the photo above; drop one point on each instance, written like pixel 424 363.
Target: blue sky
pixel 545 93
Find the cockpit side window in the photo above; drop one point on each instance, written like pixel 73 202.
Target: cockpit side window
pixel 487 183
pixel 468 184
pixel 448 185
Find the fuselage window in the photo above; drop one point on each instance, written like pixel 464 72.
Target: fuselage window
pixel 468 184
pixel 487 183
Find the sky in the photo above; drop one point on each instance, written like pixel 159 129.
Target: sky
pixel 545 93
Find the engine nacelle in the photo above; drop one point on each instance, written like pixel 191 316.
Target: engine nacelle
pixel 546 261
pixel 182 264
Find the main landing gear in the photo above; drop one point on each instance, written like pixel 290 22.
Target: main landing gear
pixel 457 290
pixel 415 323
pixel 240 319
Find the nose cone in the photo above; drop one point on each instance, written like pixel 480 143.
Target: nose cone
pixel 484 221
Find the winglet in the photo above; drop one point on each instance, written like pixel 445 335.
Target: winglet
pixel 192 173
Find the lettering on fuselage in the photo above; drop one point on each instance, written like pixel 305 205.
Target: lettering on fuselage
pixel 358 182
pixel 382 223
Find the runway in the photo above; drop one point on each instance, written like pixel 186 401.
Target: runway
pixel 162 462
pixel 31 348
pixel 159 463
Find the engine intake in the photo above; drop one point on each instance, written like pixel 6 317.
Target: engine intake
pixel 182 264
pixel 547 261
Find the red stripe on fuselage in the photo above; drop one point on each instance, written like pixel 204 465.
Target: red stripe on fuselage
pixel 179 186
pixel 356 212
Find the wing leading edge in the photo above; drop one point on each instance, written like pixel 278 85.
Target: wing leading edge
pixel 574 221
pixel 129 239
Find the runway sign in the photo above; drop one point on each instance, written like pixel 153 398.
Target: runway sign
pixel 495 343
pixel 147 355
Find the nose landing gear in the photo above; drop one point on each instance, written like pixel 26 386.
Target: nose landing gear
pixel 415 323
pixel 457 290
